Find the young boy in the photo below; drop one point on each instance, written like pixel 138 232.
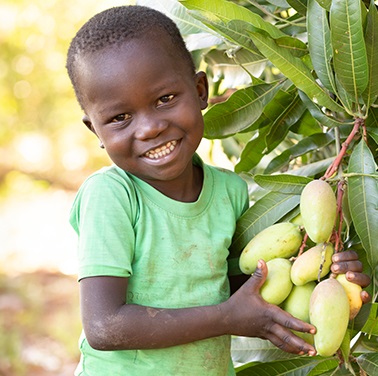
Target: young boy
pixel 154 228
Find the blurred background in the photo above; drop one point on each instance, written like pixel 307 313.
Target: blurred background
pixel 45 154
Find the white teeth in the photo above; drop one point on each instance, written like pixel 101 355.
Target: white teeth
pixel 161 151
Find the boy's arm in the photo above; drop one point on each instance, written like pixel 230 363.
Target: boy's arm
pixel 111 324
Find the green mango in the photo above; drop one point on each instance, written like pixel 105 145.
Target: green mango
pixel 277 285
pixel 307 266
pixel 318 210
pixel 298 301
pixel 279 240
pixel 298 305
pixel 329 313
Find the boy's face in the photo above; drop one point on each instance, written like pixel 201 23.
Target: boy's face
pixel 145 106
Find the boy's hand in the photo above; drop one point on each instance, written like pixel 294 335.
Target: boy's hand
pixel 347 263
pixel 254 317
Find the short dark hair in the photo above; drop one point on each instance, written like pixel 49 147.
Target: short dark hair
pixel 116 26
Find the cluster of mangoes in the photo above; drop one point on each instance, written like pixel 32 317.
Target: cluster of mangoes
pixel 303 285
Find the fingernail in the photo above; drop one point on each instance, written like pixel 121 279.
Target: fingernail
pixel 259 264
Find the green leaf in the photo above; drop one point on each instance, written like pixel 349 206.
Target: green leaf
pixel 326 4
pixel 299 5
pixel 324 368
pixel 362 197
pixel 371 325
pixel 173 9
pixel 241 110
pixel 294 45
pixel 264 212
pixel 345 346
pixel 253 151
pixel 319 43
pixel 314 168
pixel 304 146
pixel 284 183
pixel 349 51
pixel 346 99
pixel 282 124
pixel 294 68
pixel 367 342
pixel 369 363
pixel 232 66
pixel 371 40
pixel 372 120
pixel 221 10
pixel 252 349
pixel 306 125
pixel 373 133
pixel 290 367
pixel 319 115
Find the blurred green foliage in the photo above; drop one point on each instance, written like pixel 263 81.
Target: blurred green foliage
pixel 43 145
pixel 41 134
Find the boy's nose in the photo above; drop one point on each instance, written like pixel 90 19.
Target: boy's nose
pixel 150 127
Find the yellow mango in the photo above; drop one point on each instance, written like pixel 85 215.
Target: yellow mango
pixel 279 240
pixel 277 285
pixel 298 305
pixel 329 313
pixel 353 292
pixel 318 210
pixel 312 264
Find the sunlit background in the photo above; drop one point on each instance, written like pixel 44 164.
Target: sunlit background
pixel 45 154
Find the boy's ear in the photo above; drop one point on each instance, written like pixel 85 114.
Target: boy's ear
pixel 88 123
pixel 202 88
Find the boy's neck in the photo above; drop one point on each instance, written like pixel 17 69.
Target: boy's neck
pixel 183 190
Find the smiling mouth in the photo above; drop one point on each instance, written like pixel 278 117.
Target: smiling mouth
pixel 161 151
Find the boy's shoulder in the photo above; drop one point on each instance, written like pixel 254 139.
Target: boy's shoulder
pixel 228 176
pixel 109 180
pixel 107 174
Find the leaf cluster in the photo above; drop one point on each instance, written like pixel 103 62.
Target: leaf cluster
pixel 292 81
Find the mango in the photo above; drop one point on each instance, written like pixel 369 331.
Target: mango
pixel 298 305
pixel 281 240
pixel 298 301
pixel 353 292
pixel 329 313
pixel 277 285
pixel 318 209
pixel 313 264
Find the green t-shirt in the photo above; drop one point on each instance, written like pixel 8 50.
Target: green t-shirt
pixel 175 255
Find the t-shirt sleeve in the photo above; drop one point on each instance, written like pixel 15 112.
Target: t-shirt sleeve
pixel 103 217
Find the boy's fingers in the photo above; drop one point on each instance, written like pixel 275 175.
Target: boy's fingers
pixel 287 341
pixel 349 255
pixel 288 321
pixel 344 266
pixel 365 297
pixel 259 276
pixel 358 278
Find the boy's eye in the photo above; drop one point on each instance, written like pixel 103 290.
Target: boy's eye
pixel 165 99
pixel 120 118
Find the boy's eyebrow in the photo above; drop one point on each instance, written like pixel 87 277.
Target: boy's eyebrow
pixel 165 86
pixel 157 90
